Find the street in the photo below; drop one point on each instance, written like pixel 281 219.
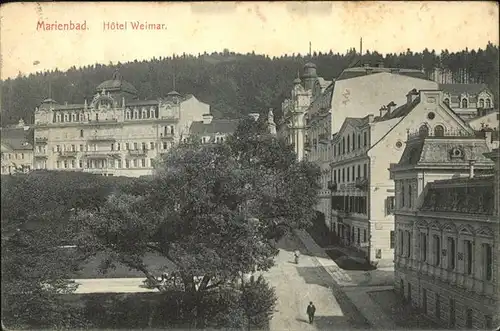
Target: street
pixel 297 285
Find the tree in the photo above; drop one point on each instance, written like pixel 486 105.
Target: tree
pixel 258 300
pixel 36 220
pixel 209 210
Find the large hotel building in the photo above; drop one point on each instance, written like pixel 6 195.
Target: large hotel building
pixel 115 134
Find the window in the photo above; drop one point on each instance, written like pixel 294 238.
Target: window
pixel 353 141
pixel 364 236
pixel 151 145
pixel 81 133
pixel 73 148
pixel 151 162
pixel 408 243
pixel 80 164
pixel 403 193
pixel 127 115
pixel 72 163
pixel 152 113
pixel 136 114
pixel 22 156
pixel 401 242
pixel 439 131
pixel 112 146
pixel 464 103
pixel 488 103
pixel 359 170
pixel 390 205
pixel 135 163
pixel 144 113
pixel 359 140
pixel 468 256
pixel 135 146
pixel 348 169
pixel 481 103
pixel 97 117
pixel 409 196
pixel 423 247
pixel 58 164
pixel 359 237
pixel 127 163
pixel 488 261
pixel 143 163
pixel 343 145
pixel 488 322
pixel 353 175
pixel 437 250
pixel 423 131
pixel 65 117
pixel 165 146
pixel 335 175
pixel 365 139
pixel 451 253
pixel 144 146
pixel 118 146
pixel 392 239
pixel 343 175
pixel 348 144
pixel 127 145
pixel 468 319
pixel 119 163
pixel 111 163
pixel 365 171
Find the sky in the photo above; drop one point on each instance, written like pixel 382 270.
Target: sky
pixel 273 28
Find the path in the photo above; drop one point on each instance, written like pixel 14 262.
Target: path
pixel 296 285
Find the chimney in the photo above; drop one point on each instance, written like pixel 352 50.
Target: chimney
pixel 390 106
pixel 471 168
pixel 383 111
pixel 255 116
pixel 371 117
pixel 411 96
pixel 207 118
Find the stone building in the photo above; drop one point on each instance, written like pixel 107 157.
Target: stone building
pixel 362 191
pixel 487 120
pixel 447 230
pixel 17 148
pixel 115 134
pixel 468 100
pixel 318 109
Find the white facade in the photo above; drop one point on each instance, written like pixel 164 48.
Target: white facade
pixel 116 134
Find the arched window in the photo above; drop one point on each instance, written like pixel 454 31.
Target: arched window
pixel 144 113
pixel 58 118
pixel 423 131
pixel 81 117
pixel 73 117
pixel 464 103
pixel 152 113
pixel 127 114
pixel 488 103
pixel 447 101
pixel 439 131
pixel 136 114
pixel 65 117
pixel 481 103
pixel 348 143
pixel 172 130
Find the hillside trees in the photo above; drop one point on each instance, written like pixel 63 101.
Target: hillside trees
pixel 212 210
pixel 230 82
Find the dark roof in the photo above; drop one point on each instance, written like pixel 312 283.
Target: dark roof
pixel 437 151
pixel 117 85
pixel 69 106
pixel 463 88
pixel 216 126
pixel 461 195
pixel 364 71
pixel 400 111
pixel 17 138
pixel 142 103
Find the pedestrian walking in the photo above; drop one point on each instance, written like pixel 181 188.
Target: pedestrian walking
pixel 311 309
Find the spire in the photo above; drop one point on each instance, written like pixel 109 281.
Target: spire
pixel 310 50
pixel 361 46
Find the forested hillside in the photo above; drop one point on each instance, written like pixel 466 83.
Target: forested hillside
pixel 233 84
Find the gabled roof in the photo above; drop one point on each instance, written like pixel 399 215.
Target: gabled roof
pixel 355 122
pixel 17 138
pixel 463 88
pixel 226 126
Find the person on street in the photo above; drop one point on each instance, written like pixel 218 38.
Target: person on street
pixel 311 309
pixel 296 255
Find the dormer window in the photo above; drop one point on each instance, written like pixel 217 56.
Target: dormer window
pixel 464 103
pixel 457 153
pixel 144 113
pixel 152 113
pixel 488 103
pixel 481 103
pixel 127 114
pixel 136 114
pixel 447 101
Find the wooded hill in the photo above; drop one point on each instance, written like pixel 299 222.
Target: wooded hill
pixel 233 84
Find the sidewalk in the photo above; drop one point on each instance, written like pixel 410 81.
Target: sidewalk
pixel 358 295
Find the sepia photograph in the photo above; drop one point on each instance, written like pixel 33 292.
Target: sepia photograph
pixel 264 166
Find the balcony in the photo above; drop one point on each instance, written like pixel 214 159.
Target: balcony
pixel 68 153
pixel 41 155
pixel 41 140
pixel 99 154
pixel 138 152
pixel 332 186
pixel 361 183
pixel 101 137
